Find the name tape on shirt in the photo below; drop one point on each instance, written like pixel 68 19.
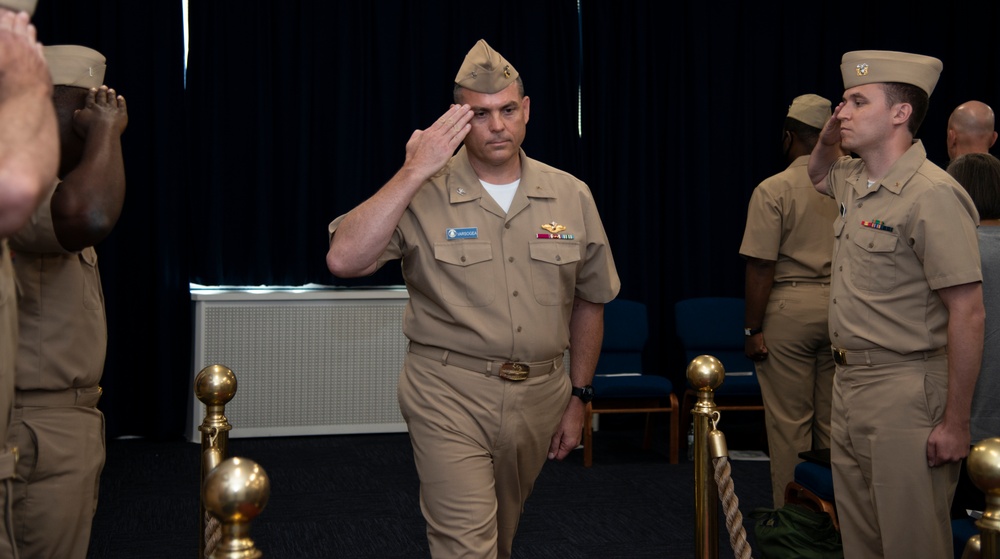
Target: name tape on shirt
pixel 455 233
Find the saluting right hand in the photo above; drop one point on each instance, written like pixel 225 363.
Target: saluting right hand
pixel 428 150
pixel 830 135
pixel 21 54
pixel 103 108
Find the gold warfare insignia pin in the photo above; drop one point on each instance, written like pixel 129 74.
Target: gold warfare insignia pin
pixel 862 69
pixel 554 232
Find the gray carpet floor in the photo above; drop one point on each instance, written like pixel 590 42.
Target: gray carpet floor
pixel 356 496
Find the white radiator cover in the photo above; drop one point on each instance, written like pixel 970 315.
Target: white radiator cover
pixel 307 361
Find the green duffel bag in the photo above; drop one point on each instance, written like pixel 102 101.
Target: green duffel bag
pixel 795 532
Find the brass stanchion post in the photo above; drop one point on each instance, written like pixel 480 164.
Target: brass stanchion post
pixel 984 471
pixel 235 492
pixel 214 386
pixel 705 373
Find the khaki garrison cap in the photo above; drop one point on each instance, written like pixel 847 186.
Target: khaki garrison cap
pixel 75 65
pixel 882 66
pixel 485 71
pixel 810 109
pixel 19 5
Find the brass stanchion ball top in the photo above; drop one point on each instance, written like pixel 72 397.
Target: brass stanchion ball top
pixel 705 372
pixel 236 490
pixel 215 385
pixel 984 465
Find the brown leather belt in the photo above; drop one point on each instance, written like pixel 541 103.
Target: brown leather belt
pixel 880 356
pixel 506 370
pixel 82 397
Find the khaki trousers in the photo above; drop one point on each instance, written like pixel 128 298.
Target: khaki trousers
pixel 62 453
pixel 889 502
pixel 479 443
pixel 796 379
pixel 8 352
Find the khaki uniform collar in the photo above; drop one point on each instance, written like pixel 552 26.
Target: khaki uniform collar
pixel 464 185
pixel 899 174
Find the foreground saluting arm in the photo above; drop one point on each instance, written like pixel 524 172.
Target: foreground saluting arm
pixel 826 152
pixel 949 440
pixel 367 229
pixel 586 331
pixel 29 141
pixel 88 202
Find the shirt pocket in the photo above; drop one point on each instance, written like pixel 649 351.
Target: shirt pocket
pixel 93 296
pixel 553 271
pixel 465 277
pixel 873 266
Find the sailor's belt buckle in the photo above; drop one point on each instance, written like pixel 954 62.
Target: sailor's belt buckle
pixel 514 371
pixel 840 356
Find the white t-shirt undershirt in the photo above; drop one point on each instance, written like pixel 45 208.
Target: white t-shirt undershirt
pixel 502 193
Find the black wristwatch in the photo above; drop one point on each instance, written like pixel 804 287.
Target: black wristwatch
pixel 586 393
pixel 752 331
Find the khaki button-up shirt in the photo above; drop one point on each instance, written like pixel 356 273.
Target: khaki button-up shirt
pixel 895 244
pixel 790 223
pixel 63 331
pixel 482 282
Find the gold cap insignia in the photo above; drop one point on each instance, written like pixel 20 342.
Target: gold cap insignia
pixel 862 67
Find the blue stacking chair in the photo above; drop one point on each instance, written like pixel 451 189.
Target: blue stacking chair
pixel 714 326
pixel 963 529
pixel 812 484
pixel 621 385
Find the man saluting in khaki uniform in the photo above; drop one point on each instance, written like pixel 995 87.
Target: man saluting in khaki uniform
pixel 56 427
pixel 29 154
pixel 787 244
pixel 507 264
pixel 906 312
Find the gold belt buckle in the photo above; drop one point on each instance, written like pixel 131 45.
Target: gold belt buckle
pixel 514 371
pixel 840 356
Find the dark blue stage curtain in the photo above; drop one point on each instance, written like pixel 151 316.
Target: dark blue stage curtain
pixel 301 110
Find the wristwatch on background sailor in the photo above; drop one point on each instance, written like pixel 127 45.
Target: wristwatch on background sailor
pixel 747 331
pixel 585 393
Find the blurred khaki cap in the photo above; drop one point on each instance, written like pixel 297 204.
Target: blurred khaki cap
pixel 75 65
pixel 882 66
pixel 484 70
pixel 19 5
pixel 810 109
